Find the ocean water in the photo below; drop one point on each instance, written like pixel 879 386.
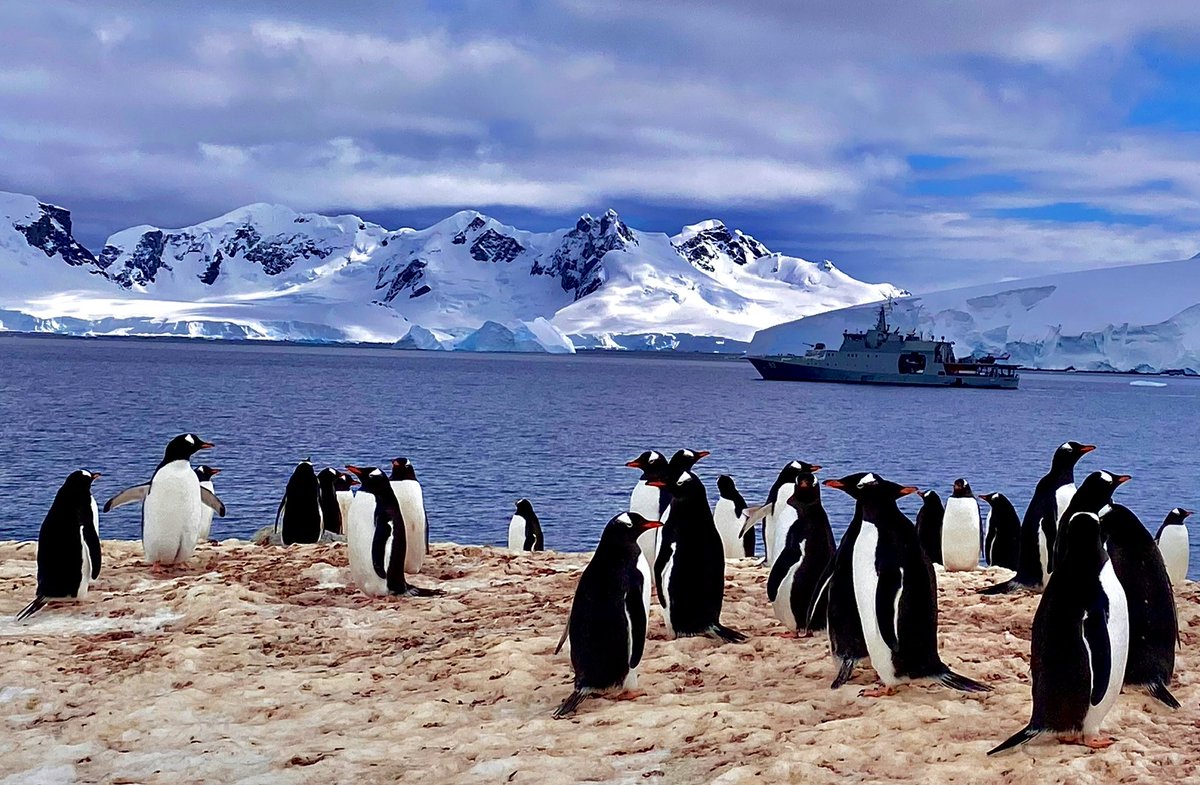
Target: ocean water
pixel 485 430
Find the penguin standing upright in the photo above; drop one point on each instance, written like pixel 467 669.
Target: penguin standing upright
pixel 68 554
pixel 1003 544
pixel 777 514
pixel 730 515
pixel 1080 642
pixel 691 566
pixel 205 475
pixel 607 625
pixel 1153 625
pixel 1040 525
pixel 333 517
pixel 525 530
pixel 794 580
pixel 650 502
pixel 836 591
pixel 344 486
pixel 412 506
pixel 300 518
pixel 171 503
pixel 1094 494
pixel 929 524
pixel 375 536
pixel 896 593
pixel 960 529
pixel 1172 539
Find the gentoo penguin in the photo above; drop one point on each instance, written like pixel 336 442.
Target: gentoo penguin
pixel 344 485
pixel 776 513
pixel 1094 494
pixel 960 529
pixel 68 554
pixel 205 475
pixel 299 517
pixel 1153 625
pixel 929 524
pixel 333 516
pixel 1002 546
pixel 1172 539
pixel 375 536
pixel 171 503
pixel 1040 525
pixel 412 507
pixel 729 515
pixel 650 502
pixel 836 591
pixel 1080 643
pixel 896 593
pixel 682 461
pixel 807 554
pixel 691 565
pixel 525 530
pixel 607 625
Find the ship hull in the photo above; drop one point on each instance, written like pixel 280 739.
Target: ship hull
pixel 787 370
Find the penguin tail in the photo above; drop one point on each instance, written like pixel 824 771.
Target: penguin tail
pixel 1028 733
pixel 40 602
pixel 569 706
pixel 722 632
pixel 961 683
pixel 1007 587
pixel 417 591
pixel 1158 690
pixel 845 672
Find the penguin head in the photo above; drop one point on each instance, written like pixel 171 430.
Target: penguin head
pixel 80 480
pixel 726 487
pixel 373 480
pixel 930 497
pixel 962 489
pixel 344 482
pixel 683 461
pixel 1177 515
pixel 646 460
pixel 1069 453
pixel 184 446
pixel 304 469
pixel 327 477
pixel 684 486
pixel 627 526
pixel 525 509
pixel 1082 535
pixel 807 490
pixel 803 467
pixel 991 498
pixel 848 484
pixel 402 469
pixel 205 473
pixel 1098 487
pixel 871 485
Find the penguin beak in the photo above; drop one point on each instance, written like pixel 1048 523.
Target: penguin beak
pixel 834 484
pixel 983 496
pixel 648 525
pixel 1122 479
pixel 98 474
pixel 702 454
pixel 354 470
pixel 634 464
pixel 206 445
pixel 906 490
pixel 657 484
pixel 1186 513
pixel 1087 448
pixel 215 471
pixel 815 467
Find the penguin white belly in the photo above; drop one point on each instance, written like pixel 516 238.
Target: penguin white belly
pixel 86 569
pixel 171 514
pixel 777 520
pixel 644 501
pixel 866 585
pixel 960 534
pixel 360 534
pixel 206 514
pixel 95 518
pixel 1173 545
pixel 729 526
pixel 666 592
pixel 412 509
pixel 516 534
pixel 1118 642
pixel 344 500
pixel 782 604
pixel 631 679
pixel 1062 500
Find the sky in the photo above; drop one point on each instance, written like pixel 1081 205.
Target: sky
pixel 926 143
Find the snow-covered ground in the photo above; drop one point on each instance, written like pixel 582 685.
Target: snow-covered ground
pixel 1142 318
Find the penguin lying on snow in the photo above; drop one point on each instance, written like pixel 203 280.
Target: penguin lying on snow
pixel 895 592
pixel 607 625
pixel 68 554
pixel 1172 539
pixel 375 536
pixel 300 518
pixel 1003 543
pixel 1080 642
pixel 171 503
pixel 960 529
pixel 525 530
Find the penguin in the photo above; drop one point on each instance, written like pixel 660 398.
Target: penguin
pixel 836 591
pixel 171 503
pixel 412 507
pixel 607 624
pixel 1153 625
pixel 1039 527
pixel 729 515
pixel 375 535
pixel 1002 546
pixel 344 486
pixel 895 591
pixel 68 554
pixel 1094 494
pixel 1080 643
pixel 333 516
pixel 1172 539
pixel 929 524
pixel 795 577
pixel 960 529
pixel 205 475
pixel 300 518
pixel 776 513
pixel 525 530
pixel 691 565
pixel 651 503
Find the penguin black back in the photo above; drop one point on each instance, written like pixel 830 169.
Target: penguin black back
pixel 811 535
pixel 533 527
pixel 331 512
pixel 929 525
pixel 67 542
pixel 727 489
pixel 298 518
pixel 1003 540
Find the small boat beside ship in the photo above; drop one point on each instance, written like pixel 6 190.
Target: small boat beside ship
pixel 884 356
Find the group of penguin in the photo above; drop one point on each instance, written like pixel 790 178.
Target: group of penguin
pixel 1106 617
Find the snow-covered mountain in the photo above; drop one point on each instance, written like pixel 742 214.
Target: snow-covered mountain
pixel 1143 318
pixel 265 271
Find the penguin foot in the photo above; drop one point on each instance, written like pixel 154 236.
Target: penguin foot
pixel 726 634
pixel 1099 742
pixel 628 695
pixel 791 634
pixel 877 692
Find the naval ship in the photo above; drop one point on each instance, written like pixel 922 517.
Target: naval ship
pixel 884 356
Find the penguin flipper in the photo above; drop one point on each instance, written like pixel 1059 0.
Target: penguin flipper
pixel 1158 690
pixel 417 591
pixel 563 639
pixel 93 544
pixel 569 706
pixel 718 630
pixel 210 500
pixel 279 512
pixel 128 496
pixel 956 681
pixel 1028 733
pixel 845 672
pixel 379 554
pixel 887 605
pixel 38 603
pixel 636 613
pixel 1099 650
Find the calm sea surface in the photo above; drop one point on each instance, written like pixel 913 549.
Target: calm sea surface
pixel 485 430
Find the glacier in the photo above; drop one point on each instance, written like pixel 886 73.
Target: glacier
pixel 1142 318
